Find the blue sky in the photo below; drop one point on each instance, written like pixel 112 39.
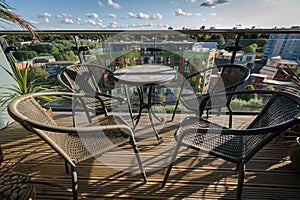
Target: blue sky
pixel 157 14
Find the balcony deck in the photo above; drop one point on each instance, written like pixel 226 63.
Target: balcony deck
pixel 269 175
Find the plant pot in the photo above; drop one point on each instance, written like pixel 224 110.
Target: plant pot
pixel 17 186
pixel 48 111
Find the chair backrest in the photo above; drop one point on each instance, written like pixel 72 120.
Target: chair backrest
pixel 274 111
pixel 83 78
pixel 231 76
pixel 27 111
pixel 281 109
pixel 74 144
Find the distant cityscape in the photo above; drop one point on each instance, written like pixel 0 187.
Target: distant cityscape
pixel 282 51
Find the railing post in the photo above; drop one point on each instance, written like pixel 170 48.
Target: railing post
pixel 236 48
pixel 78 48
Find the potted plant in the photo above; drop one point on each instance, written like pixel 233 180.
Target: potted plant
pixel 22 85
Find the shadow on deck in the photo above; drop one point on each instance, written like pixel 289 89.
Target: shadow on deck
pixel 269 175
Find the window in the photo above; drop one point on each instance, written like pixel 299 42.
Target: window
pixel 176 60
pixel 248 58
pixel 186 69
pixel 168 60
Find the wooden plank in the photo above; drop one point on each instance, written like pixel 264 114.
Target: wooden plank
pixel 269 174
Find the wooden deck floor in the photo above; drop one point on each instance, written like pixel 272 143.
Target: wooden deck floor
pixel 269 175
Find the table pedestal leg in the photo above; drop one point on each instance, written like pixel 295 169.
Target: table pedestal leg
pixel 151 113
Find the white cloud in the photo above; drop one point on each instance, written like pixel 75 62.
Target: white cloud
pixel 112 16
pixel 113 25
pixel 92 15
pixel 91 22
pixel 64 15
pixel 213 3
pixel 212 14
pixel 191 1
pixel 198 14
pixel 114 5
pixel 141 15
pixel 157 16
pixel 180 12
pixel 45 16
pixel 124 26
pixel 99 22
pixel 101 4
pixel 67 21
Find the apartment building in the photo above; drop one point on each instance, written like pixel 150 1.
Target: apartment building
pixel 287 46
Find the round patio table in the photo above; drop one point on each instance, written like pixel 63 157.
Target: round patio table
pixel 145 75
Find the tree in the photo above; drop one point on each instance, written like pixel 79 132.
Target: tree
pixel 220 39
pixel 37 74
pixel 251 48
pixel 247 97
pixel 24 55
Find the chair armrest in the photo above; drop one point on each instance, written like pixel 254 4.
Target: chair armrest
pixel 74 130
pixel 253 131
pixel 24 120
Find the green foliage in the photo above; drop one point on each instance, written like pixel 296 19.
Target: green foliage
pixel 25 55
pixel 248 97
pixel 251 48
pixel 243 105
pixel 23 84
pixel 60 49
pixel 162 97
pixel 270 87
pixel 37 74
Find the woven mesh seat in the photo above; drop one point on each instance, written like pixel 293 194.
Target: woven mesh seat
pixel 87 79
pixel 229 77
pixel 73 144
pixel 279 112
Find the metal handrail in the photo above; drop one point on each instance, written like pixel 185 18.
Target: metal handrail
pixel 185 31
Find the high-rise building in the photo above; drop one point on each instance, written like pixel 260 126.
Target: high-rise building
pixel 287 46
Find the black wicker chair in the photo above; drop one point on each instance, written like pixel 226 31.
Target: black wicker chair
pixel 87 79
pixel 279 112
pixel 229 77
pixel 73 144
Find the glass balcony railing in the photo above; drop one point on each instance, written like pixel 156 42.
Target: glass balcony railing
pixel 272 55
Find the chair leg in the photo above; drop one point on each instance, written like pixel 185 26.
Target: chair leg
pixel 174 111
pixel 66 167
pixel 74 182
pixel 172 161
pixel 241 175
pixel 138 158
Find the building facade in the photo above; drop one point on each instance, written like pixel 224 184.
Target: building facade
pixel 287 46
pixel 183 56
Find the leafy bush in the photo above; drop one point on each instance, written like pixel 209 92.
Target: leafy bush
pixel 249 96
pixel 243 105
